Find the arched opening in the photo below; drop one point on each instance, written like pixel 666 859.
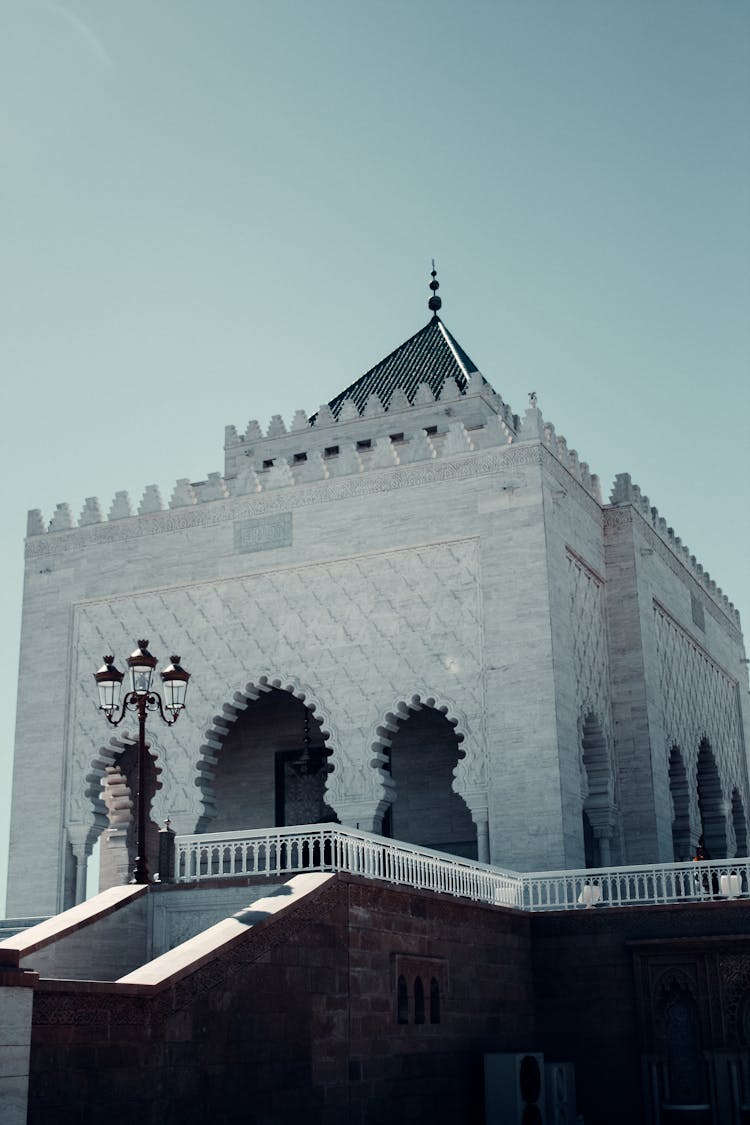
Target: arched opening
pixel 590 849
pixel 598 801
pixel 739 823
pixel 678 1031
pixel 272 767
pixel 434 1001
pixel 402 1001
pixel 680 792
pixel 421 760
pixel 711 804
pixel 119 791
pixel 418 1001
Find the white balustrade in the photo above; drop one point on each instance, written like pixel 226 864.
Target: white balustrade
pixel 333 847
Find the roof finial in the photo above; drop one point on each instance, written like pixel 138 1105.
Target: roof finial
pixel 434 302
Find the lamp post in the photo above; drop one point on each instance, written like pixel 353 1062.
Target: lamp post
pixel 141 699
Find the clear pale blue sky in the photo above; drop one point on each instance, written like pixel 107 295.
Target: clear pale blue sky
pixel 218 211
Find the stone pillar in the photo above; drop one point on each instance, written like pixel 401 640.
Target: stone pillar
pixel 166 853
pixel 16 1005
pixel 115 861
pixel 79 853
pixel 605 854
pixel 478 806
pixel 482 821
pixel 78 835
pixel 603 820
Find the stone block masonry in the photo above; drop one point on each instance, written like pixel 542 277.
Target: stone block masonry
pixel 339 1001
pixel 294 1015
pixel 413 546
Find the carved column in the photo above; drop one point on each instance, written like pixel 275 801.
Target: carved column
pixel 478 806
pixel 78 836
pixel 604 835
pixel 81 870
pixel 482 820
pixel 364 814
pixel 603 821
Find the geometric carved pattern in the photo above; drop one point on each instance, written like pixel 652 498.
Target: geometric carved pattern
pixel 359 633
pixel 589 640
pixel 679 1040
pixel 699 703
pixel 588 629
pixel 734 976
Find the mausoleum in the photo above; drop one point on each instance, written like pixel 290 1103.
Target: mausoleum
pixel 412 612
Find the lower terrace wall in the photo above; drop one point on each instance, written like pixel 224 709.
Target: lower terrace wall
pixel 299 1021
pixel 606 983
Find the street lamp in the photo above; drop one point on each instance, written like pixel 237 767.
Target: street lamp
pixel 141 699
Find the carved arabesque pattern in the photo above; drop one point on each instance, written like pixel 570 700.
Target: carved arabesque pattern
pixel 359 632
pixel 699 703
pixel 589 641
pixel 590 661
pixel 734 977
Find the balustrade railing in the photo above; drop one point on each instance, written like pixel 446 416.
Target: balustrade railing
pixel 640 885
pixel 333 847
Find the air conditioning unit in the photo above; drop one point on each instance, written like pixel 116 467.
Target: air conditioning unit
pixel 514 1089
pixel 560 1091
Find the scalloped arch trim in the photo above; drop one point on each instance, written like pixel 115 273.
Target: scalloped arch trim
pixel 222 724
pixel 389 725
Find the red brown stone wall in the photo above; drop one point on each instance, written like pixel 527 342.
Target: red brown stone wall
pixel 596 1003
pixel 298 1023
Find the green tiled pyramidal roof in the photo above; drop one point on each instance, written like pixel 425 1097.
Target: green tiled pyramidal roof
pixel 431 356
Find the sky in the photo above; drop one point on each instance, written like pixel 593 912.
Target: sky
pixel 212 212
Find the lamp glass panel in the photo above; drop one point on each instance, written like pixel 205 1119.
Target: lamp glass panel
pixel 174 694
pixel 169 694
pixel 109 694
pixel 140 676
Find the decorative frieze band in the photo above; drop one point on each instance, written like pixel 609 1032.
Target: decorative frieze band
pixel 245 507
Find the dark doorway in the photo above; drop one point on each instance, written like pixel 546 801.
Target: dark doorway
pixel 710 803
pixel 267 774
pixel 425 810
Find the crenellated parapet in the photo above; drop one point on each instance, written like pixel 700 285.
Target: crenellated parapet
pixel 477 405
pixel 323 448
pixel 534 428
pixel 624 492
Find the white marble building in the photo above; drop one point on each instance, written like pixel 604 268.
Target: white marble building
pixel 491 659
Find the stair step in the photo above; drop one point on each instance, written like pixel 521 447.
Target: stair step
pixel 9 927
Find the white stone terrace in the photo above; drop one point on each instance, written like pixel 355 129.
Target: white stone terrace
pixel 332 847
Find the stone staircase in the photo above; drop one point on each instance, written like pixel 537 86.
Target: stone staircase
pixel 9 927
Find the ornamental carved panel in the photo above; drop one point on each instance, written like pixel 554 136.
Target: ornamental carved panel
pixel 361 633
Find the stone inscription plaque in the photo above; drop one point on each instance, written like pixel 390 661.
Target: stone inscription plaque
pixel 263 533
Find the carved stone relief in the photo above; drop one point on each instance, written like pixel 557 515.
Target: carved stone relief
pixel 699 701
pixel 361 632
